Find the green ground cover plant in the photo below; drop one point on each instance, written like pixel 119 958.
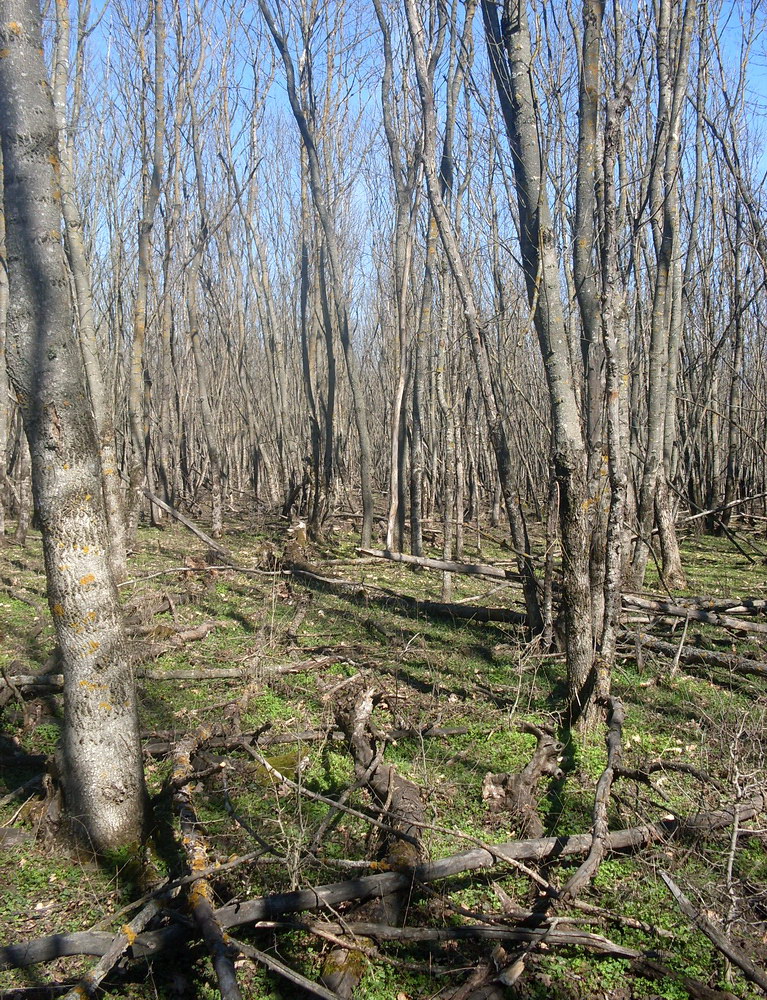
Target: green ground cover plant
pixel 297 647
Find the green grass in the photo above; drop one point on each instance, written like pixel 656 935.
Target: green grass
pixel 481 677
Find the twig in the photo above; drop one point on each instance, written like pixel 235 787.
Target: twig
pixel 302 790
pixel 716 935
pixel 285 972
pixel 91 981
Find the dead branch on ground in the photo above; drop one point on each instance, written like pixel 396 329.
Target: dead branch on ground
pixel 518 794
pixel 277 905
pixel 200 892
pixel 716 935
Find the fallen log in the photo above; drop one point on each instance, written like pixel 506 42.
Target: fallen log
pixel 410 605
pixel 693 614
pixel 277 905
pixel 444 566
pixel 158 744
pixel 692 655
pixel 53 683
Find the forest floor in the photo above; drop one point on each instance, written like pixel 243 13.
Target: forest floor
pixel 254 666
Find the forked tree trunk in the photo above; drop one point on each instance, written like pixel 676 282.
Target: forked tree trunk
pixel 654 500
pixel 511 60
pixel 101 751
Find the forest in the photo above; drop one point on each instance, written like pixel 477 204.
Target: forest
pixel 383 499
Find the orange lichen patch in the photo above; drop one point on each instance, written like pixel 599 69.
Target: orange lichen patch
pixel 91 686
pixel 200 893
pixel 58 610
pixel 65 465
pixel 107 706
pixel 91 616
pixel 4 53
pixel 63 567
pixel 93 646
pixel 87 497
pixel 86 549
pixel 109 472
pixel 14 28
pixel 129 933
pixel 85 580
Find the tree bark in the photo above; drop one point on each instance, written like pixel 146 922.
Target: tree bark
pixel 511 61
pixel 78 263
pixel 101 752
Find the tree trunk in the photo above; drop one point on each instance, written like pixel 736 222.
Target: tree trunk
pixel 101 751
pixel 81 278
pixel 511 60
pixel 137 415
pixel 4 387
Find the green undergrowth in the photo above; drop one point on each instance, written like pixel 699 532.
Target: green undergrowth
pixel 481 680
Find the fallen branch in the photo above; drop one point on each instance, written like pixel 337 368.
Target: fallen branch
pixel 693 614
pixel 284 971
pixel 732 605
pixel 716 935
pixel 189 525
pixel 200 893
pixel 277 905
pixel 600 831
pixel 692 655
pixel 89 984
pixel 466 932
pixel 400 803
pixel 468 569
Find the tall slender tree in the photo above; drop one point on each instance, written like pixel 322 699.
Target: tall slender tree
pixel 101 751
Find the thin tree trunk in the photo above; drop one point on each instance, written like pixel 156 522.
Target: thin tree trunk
pixel 511 62
pixel 497 430
pixel 79 267
pixel 4 386
pixel 137 470
pixel 336 274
